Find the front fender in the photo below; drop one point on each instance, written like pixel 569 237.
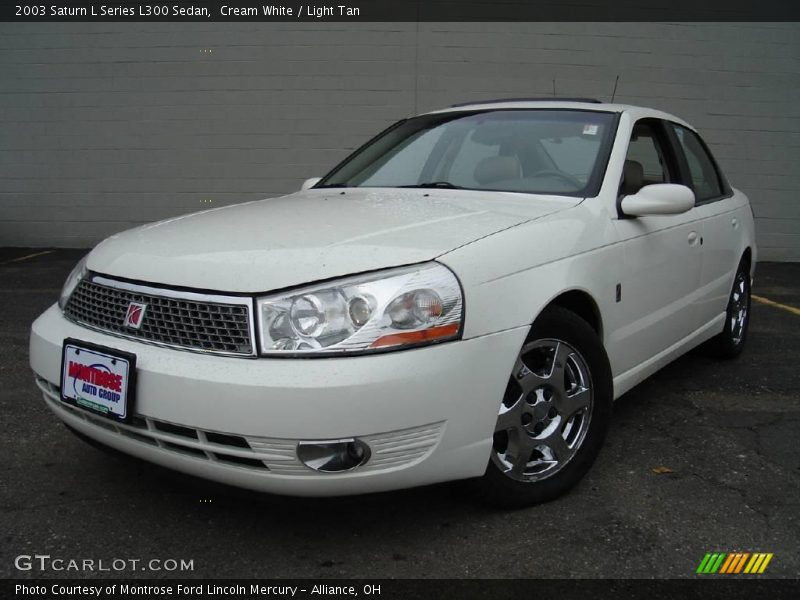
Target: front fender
pixel 510 277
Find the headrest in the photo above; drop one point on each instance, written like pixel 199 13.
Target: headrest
pixel 633 177
pixel 497 168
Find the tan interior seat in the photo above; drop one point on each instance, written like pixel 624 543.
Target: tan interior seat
pixel 632 177
pixel 497 168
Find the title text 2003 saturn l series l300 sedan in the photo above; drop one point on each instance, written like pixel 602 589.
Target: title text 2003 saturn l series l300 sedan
pixel 463 297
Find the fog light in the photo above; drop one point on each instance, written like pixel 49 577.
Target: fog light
pixel 333 456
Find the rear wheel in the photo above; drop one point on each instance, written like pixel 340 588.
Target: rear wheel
pixel 554 414
pixel 730 343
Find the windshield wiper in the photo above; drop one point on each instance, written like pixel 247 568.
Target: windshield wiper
pixel 435 184
pixel 332 185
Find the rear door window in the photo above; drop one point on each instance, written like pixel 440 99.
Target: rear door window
pixel 706 180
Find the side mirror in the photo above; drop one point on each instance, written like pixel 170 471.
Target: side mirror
pixel 310 182
pixel 658 199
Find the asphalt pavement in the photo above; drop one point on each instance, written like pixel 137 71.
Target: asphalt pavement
pixel 702 457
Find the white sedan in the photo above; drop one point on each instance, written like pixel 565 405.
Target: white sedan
pixel 462 298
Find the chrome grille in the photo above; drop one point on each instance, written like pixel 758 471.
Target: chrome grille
pixel 182 319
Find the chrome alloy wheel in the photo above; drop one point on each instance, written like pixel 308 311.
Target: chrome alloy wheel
pixel 739 303
pixel 545 412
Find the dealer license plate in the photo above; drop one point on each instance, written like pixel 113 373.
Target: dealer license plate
pixel 98 379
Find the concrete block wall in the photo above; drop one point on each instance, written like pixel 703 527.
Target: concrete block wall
pixel 104 126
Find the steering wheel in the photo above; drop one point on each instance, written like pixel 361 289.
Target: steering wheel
pixel 565 176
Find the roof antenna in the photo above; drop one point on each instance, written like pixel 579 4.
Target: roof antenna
pixel 614 93
pixel 554 87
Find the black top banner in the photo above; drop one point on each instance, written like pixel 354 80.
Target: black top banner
pixel 402 10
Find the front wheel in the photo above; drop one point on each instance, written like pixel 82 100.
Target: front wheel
pixel 554 414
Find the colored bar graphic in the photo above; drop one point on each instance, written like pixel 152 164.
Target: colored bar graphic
pixel 740 564
pixel 703 563
pixel 727 564
pixel 764 564
pixel 730 563
pixel 718 562
pixel 755 562
pixel 709 564
pixel 734 563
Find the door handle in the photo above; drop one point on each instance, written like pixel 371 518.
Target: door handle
pixel 692 239
pixel 735 223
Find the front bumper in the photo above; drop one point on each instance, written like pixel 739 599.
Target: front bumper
pixel 428 414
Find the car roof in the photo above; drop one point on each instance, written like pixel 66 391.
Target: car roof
pixel 587 104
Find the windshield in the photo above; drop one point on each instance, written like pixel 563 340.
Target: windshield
pixel 542 151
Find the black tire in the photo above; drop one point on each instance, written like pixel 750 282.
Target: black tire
pixel 499 487
pixel 730 343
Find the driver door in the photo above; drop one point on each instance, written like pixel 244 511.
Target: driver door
pixel 662 258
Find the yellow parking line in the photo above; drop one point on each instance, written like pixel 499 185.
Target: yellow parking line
pixel 26 257
pixel 768 302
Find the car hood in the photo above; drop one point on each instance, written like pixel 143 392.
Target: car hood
pixel 312 235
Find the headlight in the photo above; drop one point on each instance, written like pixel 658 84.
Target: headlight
pixel 73 279
pixel 378 311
